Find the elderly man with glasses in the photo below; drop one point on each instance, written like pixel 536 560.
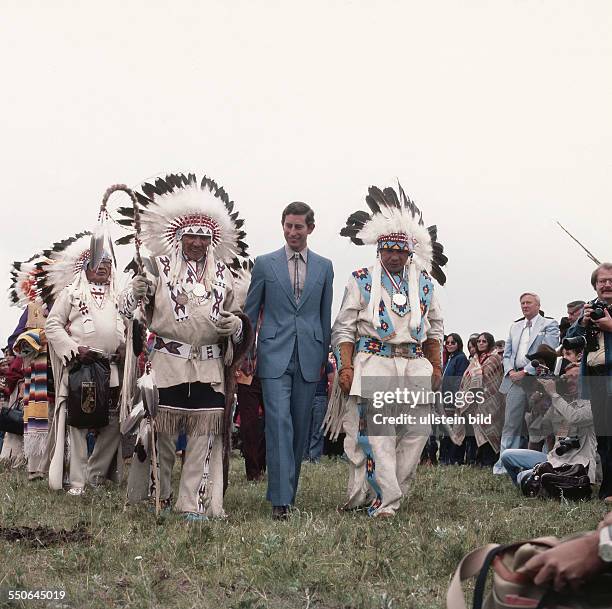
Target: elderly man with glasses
pixel 595 326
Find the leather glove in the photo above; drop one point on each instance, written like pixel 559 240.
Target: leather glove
pixel 433 352
pixel 228 324
pixel 140 286
pixel 345 365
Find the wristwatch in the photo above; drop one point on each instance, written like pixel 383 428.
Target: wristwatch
pixel 605 544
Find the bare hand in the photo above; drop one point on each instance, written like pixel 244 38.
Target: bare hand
pixel 140 286
pixel 516 375
pixel 569 564
pixel 607 521
pixel 605 323
pixel 120 354
pixel 550 386
pixel 228 324
pixel 85 356
pixel 585 322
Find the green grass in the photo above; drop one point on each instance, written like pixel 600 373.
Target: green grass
pixel 318 559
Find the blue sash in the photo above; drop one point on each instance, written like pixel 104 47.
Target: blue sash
pixel 364 281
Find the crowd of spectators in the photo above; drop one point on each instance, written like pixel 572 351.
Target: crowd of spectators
pixel 546 392
pixel 522 418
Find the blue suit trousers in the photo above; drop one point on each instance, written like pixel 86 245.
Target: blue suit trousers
pixel 288 405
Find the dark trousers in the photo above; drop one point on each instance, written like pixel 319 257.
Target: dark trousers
pixel 252 435
pixel 601 406
pixel 486 456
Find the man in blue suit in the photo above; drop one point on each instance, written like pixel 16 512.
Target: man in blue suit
pixel 526 335
pixel 291 291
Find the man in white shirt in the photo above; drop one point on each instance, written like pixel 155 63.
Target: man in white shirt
pixel 526 335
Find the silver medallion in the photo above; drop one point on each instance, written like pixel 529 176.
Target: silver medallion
pixel 399 299
pixel 199 290
pixel 182 299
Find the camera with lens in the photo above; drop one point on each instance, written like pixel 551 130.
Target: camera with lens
pixel 567 444
pixel 589 342
pixel 544 365
pixel 541 370
pixel 599 308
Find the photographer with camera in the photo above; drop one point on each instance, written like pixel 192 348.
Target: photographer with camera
pixel 593 331
pixel 570 418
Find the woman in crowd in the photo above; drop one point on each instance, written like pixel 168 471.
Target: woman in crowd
pixel 471 346
pixel 482 380
pixel 455 365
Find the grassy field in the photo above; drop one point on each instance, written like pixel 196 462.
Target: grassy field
pixel 318 559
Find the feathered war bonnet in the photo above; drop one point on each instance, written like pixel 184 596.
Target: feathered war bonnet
pixel 24 287
pixel 67 262
pixel 396 223
pixel 179 205
pixel 69 259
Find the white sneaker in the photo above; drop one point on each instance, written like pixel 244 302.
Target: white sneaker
pixel 76 491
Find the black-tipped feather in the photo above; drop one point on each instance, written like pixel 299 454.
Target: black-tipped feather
pixel 126 240
pixel 391 198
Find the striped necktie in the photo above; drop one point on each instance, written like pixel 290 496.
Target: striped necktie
pixel 296 276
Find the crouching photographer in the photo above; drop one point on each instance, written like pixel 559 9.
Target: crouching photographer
pixel 594 331
pixel 569 417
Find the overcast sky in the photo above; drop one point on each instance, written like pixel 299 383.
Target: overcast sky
pixel 495 116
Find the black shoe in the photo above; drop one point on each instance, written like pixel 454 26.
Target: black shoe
pixel 280 512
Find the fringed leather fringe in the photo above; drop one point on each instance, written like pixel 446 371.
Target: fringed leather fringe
pixel 332 423
pixel 35 444
pixel 229 352
pixel 12 451
pixel 199 423
pixel 128 387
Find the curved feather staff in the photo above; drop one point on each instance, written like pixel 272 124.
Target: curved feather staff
pixel 580 244
pixel 137 329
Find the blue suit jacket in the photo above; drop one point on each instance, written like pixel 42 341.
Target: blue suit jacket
pixel 544 331
pixel 284 321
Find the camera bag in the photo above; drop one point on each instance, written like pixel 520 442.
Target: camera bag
pixel 89 397
pixel 11 419
pixel 570 481
pixel 512 589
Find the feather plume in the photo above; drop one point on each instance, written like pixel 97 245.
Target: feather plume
pixel 397 214
pixel 177 201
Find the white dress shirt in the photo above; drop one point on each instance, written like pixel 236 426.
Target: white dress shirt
pixel 520 361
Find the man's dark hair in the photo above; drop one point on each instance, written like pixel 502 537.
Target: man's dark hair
pixel 603 266
pixel 575 304
pixel 297 208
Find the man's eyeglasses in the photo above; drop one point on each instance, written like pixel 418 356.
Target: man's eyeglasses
pixel 604 281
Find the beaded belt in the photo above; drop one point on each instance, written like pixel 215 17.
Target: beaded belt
pixel 368 344
pixel 175 347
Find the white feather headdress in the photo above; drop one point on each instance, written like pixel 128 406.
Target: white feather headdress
pixel 24 286
pixel 397 223
pixel 179 204
pixel 67 259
